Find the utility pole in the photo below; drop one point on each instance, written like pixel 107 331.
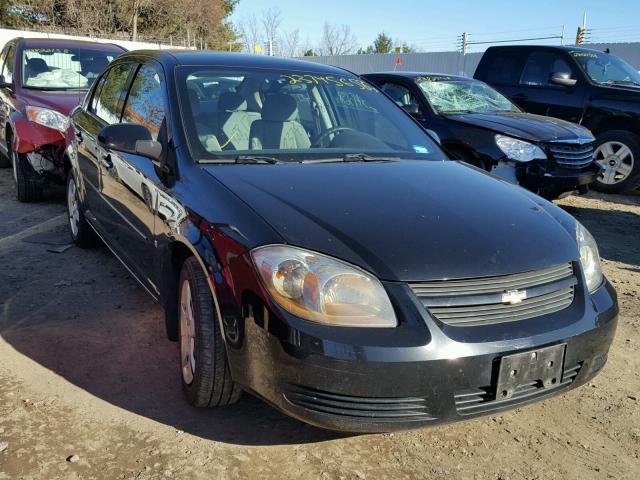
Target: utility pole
pixel 582 31
pixel 562 36
pixel 464 43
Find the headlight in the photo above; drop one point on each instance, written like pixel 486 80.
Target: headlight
pixel 48 118
pixel 519 150
pixel 323 289
pixel 589 257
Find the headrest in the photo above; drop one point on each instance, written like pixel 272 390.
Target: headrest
pixel 279 108
pixel 231 102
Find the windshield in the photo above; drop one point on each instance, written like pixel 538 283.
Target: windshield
pixel 293 116
pixel 604 68
pixel 463 96
pixel 74 68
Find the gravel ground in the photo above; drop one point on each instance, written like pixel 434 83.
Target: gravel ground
pixel 89 386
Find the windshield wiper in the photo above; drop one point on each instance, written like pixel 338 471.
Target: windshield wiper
pixel 243 160
pixel 353 157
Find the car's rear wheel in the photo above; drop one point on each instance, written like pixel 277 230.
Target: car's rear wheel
pixel 204 367
pixel 81 232
pixel 27 189
pixel 618 152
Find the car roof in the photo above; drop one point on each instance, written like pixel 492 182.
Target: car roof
pixel 65 42
pixel 566 48
pixel 226 59
pixel 420 74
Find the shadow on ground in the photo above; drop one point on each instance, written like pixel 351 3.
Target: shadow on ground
pixel 80 315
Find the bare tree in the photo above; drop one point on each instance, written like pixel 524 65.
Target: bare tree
pixel 271 20
pixel 251 33
pixel 337 39
pixel 291 43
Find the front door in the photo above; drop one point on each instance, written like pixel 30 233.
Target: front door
pixel 130 182
pixel 536 94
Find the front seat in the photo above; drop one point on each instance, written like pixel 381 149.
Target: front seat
pixel 278 128
pixel 34 67
pixel 234 121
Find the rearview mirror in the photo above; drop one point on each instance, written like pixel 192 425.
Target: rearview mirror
pixel 413 109
pixel 563 79
pixel 130 138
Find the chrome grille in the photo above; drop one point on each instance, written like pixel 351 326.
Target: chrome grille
pixel 571 155
pixel 482 301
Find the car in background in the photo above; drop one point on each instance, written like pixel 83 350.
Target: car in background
pixel 596 89
pixel 478 125
pixel 311 244
pixel 41 81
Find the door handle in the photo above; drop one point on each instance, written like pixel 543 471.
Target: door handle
pixel 520 96
pixel 105 160
pixel 79 136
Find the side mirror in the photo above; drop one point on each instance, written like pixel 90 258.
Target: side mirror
pixel 563 79
pixel 413 109
pixel 130 138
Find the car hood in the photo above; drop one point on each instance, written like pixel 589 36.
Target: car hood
pixel 407 220
pixel 527 126
pixel 60 101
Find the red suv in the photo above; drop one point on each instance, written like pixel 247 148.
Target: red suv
pixel 41 81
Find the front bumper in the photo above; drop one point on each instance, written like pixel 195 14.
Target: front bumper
pixel 426 379
pixel 44 149
pixel 546 177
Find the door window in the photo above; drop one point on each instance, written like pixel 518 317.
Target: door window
pixel 539 68
pixel 7 61
pixel 145 104
pixel 109 104
pixel 97 91
pixel 399 94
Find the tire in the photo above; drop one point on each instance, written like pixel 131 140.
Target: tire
pixel 618 152
pixel 204 367
pixel 27 189
pixel 5 160
pixel 81 232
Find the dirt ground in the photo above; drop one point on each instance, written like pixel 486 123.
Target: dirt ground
pixel 89 385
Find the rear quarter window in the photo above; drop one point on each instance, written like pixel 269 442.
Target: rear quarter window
pixel 502 69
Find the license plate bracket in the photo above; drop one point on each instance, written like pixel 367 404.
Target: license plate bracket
pixel 543 366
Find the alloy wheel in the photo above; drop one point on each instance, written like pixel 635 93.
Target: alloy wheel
pixel 187 334
pixel 73 207
pixel 617 160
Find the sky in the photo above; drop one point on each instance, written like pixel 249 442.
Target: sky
pixel 436 25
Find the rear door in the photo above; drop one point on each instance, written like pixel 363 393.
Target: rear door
pixel 131 182
pixel 501 69
pixel 536 93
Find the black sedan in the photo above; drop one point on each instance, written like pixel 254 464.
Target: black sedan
pixel 477 124
pixel 310 244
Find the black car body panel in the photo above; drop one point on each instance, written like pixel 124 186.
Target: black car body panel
pixel 419 198
pixel 470 136
pixel 402 220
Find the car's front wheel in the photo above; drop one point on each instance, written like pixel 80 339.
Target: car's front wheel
pixel 81 232
pixel 206 378
pixel 27 189
pixel 618 153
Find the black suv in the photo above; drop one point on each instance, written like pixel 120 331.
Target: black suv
pixel 590 87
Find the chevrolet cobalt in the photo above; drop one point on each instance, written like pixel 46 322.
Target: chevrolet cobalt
pixel 311 245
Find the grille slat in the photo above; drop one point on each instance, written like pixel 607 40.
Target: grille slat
pixel 377 409
pixel 482 400
pixel 572 155
pixel 479 301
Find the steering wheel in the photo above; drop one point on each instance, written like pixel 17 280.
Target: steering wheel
pixel 326 133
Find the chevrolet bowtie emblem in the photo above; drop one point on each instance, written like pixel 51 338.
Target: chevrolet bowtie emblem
pixel 514 296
